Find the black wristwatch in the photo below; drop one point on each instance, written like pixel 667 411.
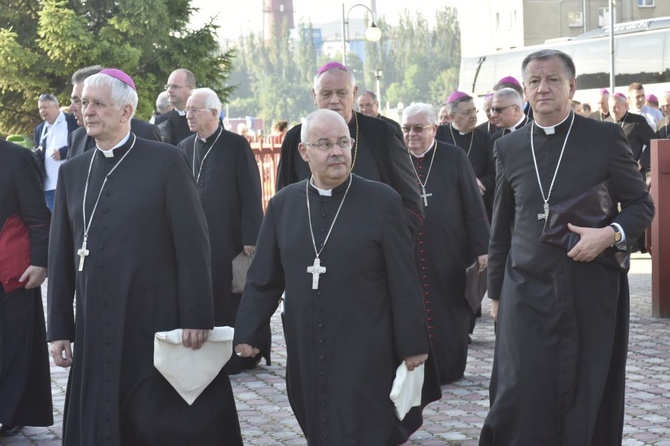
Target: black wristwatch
pixel 617 234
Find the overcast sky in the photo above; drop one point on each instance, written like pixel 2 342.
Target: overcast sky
pixel 241 17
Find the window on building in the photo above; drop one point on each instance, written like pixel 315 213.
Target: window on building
pixel 645 3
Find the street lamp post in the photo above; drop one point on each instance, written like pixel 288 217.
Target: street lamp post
pixel 378 75
pixel 372 33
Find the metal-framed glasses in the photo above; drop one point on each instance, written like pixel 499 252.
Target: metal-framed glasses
pixel 173 87
pixel 500 109
pixel 193 110
pixel 325 146
pixel 416 128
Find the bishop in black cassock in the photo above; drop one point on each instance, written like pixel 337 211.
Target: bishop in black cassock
pixel 25 387
pixel 229 185
pixel 79 141
pixel 378 154
pixel 350 321
pixel 454 233
pixel 559 366
pixel 145 267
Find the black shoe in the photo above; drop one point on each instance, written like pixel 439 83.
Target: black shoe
pixel 9 431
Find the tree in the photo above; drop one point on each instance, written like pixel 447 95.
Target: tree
pixel 42 42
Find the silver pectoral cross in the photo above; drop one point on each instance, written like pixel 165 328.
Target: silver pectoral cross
pixel 546 212
pixel 82 253
pixel 315 270
pixel 425 196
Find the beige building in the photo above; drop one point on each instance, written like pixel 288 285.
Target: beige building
pixel 490 25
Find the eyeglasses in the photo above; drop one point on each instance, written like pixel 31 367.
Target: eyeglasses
pixel 416 128
pixel 500 109
pixel 471 112
pixel 325 146
pixel 193 110
pixel 173 87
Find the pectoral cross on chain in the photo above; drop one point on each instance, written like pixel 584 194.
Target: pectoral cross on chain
pixel 82 253
pixel 546 212
pixel 315 270
pixel 425 196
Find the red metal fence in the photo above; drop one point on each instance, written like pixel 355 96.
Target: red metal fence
pixel 267 152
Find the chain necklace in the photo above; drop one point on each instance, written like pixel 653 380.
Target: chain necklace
pixel 353 163
pixel 424 195
pixel 197 176
pixel 316 269
pixel 83 252
pixel 472 139
pixel 545 215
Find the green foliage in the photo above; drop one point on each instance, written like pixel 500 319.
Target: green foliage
pixel 42 42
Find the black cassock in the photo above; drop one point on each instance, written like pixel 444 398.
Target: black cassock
pixel 148 270
pixel 663 130
pixel 476 146
pixel 559 366
pixel 454 233
pixel 173 127
pixel 345 339
pixel 378 154
pixel 25 386
pixel 230 192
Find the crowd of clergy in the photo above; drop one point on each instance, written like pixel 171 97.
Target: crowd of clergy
pixel 370 248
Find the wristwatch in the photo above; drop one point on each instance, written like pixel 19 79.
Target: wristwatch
pixel 617 234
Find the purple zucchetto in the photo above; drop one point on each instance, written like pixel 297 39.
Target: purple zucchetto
pixel 120 75
pixel 330 66
pixel 652 98
pixel 604 91
pixel 621 96
pixel 509 80
pixel 456 96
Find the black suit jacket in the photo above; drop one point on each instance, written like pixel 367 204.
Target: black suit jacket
pixel 173 127
pixel 79 141
pixel 39 145
pixel 639 135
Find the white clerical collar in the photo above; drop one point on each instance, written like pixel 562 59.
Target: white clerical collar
pixel 424 153
pixel 180 112
pixel 110 153
pixel 322 192
pixel 460 132
pixel 518 123
pixel 550 130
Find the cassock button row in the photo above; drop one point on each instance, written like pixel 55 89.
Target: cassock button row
pixel 323 229
pixel 318 293
pixel 322 357
pixel 323 214
pixel 320 325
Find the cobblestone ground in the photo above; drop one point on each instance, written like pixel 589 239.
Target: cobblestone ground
pixel 266 417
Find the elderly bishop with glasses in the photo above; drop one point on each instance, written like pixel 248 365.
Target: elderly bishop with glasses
pixel 340 248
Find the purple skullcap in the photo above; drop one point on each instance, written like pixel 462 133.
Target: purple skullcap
pixel 604 91
pixel 652 98
pixel 120 75
pixel 490 95
pixel 330 66
pixel 621 96
pixel 509 80
pixel 457 95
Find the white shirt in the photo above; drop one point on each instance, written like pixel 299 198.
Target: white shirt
pixel 652 115
pixel 55 136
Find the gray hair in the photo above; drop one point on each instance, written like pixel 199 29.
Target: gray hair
pixel 508 93
pixel 317 78
pixel 162 102
pixel 315 116
pixel 121 94
pixel 452 107
pixel 81 74
pixel 419 108
pixel 48 97
pixel 212 101
pixel 568 64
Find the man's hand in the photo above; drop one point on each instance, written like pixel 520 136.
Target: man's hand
pixel 35 276
pixel 415 361
pixel 482 189
pixel 249 250
pixel 246 351
pixel 494 309
pixel 483 261
pixel 592 242
pixel 61 352
pixel 194 338
pixel 56 155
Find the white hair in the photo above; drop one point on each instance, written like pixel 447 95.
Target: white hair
pixel 212 101
pixel 420 109
pixel 121 94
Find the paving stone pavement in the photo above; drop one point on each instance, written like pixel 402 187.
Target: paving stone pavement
pixel 266 417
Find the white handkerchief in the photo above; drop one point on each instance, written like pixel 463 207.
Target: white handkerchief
pixel 406 390
pixel 190 371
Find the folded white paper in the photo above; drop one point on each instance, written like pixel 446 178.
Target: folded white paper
pixel 191 371
pixel 406 390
